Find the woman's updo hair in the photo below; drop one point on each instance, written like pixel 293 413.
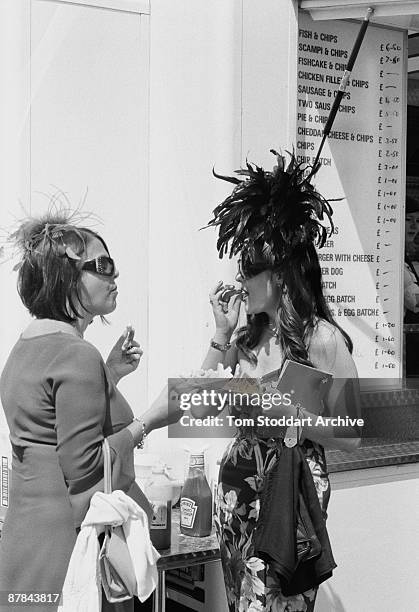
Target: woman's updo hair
pixel 52 249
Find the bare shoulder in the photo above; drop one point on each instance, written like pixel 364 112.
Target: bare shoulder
pixel 324 333
pixel 327 346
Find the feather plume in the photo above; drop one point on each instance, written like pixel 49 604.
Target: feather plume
pixel 32 234
pixel 271 213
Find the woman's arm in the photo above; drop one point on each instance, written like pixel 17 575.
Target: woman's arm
pixel 328 352
pixel 79 394
pixel 124 357
pixel 226 315
pixel 164 411
pixel 214 356
pixel 165 408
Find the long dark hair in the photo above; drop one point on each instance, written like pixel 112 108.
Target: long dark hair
pixel 302 304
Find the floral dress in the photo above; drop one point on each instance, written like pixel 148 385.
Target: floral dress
pixel 249 584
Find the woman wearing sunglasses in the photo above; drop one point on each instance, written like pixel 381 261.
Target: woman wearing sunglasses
pixel 272 222
pixel 60 401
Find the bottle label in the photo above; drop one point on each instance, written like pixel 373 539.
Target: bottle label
pixel 188 509
pixel 196 461
pixel 159 520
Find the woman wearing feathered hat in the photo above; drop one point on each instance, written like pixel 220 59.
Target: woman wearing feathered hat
pixel 273 221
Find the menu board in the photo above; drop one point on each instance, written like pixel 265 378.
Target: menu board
pixel 362 167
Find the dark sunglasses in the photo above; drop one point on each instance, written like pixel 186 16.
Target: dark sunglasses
pixel 103 265
pixel 247 269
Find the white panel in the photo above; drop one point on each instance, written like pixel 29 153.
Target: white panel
pixel 194 126
pixel 89 119
pixel 373 532
pixel 269 78
pixel 14 158
pixel 129 6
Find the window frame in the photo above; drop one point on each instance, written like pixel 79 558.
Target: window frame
pixel 140 7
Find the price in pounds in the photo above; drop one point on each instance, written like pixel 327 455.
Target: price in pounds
pixel 390 47
pixel 389 99
pixel 389 59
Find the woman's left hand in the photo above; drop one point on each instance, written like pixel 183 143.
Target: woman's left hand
pixel 124 356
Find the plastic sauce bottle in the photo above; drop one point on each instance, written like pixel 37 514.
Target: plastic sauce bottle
pixel 160 494
pixel 196 500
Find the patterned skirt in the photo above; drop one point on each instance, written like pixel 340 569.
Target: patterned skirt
pixel 249 584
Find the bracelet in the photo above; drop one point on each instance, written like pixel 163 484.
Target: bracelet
pixel 220 347
pixel 140 444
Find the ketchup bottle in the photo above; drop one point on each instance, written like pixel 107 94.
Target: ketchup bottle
pixel 160 495
pixel 196 500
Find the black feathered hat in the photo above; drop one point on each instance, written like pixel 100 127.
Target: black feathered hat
pixel 272 214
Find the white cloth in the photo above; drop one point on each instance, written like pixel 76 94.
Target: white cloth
pixel 82 587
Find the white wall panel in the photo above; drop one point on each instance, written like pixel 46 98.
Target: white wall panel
pixel 87 118
pixel 373 531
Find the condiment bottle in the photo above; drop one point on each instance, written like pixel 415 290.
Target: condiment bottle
pixel 160 494
pixel 196 500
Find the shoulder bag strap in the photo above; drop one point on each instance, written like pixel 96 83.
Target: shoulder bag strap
pixel 107 475
pixel 107 467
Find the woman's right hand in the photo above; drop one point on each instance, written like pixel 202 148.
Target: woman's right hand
pixel 226 314
pixel 167 407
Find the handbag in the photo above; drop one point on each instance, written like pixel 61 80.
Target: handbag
pixel 115 565
pixel 291 534
pixel 307 543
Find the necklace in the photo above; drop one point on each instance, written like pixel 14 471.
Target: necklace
pixel 273 329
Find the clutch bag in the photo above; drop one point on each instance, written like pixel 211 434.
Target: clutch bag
pixel 115 564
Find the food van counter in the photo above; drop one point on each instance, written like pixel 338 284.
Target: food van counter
pixel 190 551
pixel 186 551
pixel 391 432
pixel 373 453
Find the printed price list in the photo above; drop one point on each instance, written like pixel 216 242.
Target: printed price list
pixel 362 165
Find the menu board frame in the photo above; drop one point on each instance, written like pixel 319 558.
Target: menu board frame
pixel 377 384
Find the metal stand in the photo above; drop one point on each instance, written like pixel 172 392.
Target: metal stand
pixel 159 596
